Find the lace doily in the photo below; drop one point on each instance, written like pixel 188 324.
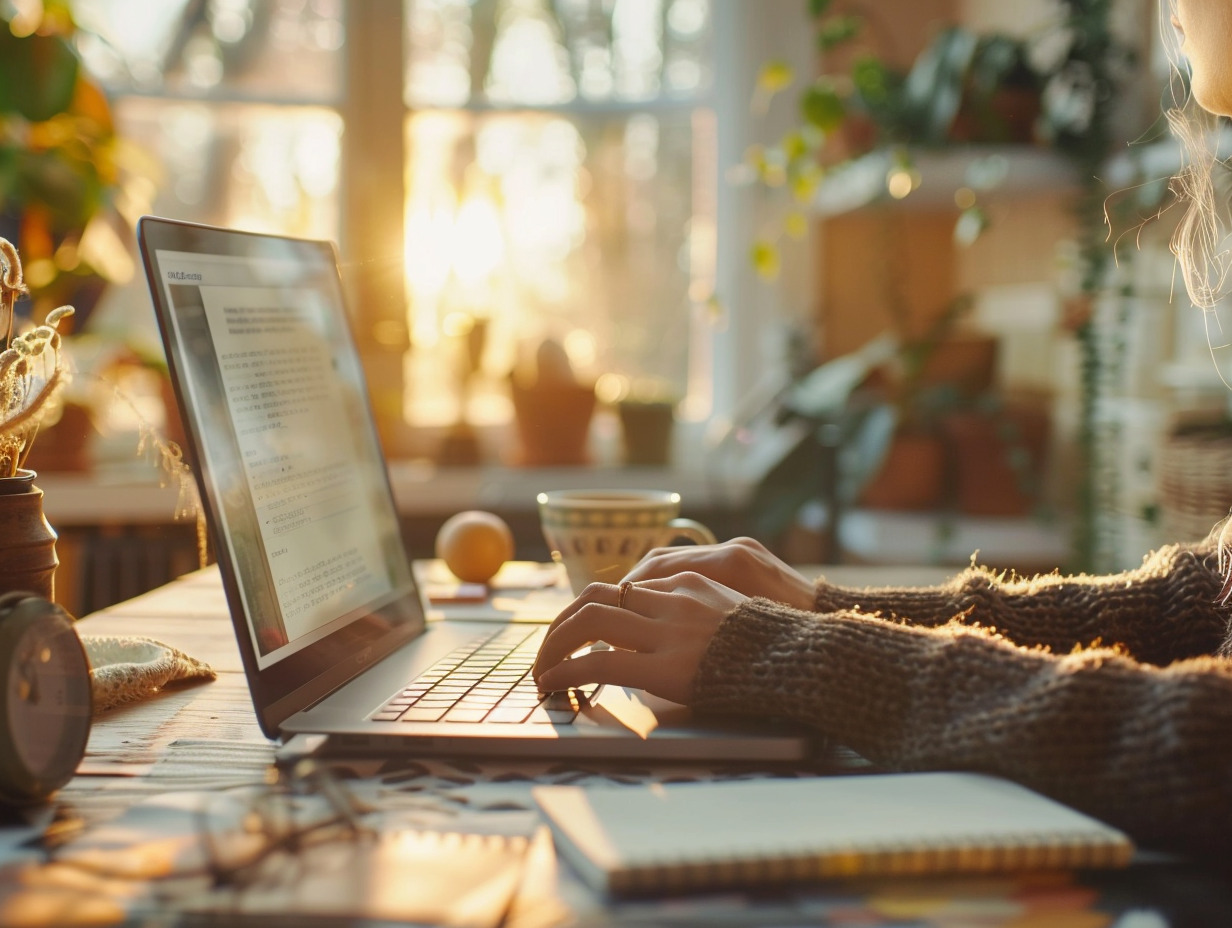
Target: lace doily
pixel 128 669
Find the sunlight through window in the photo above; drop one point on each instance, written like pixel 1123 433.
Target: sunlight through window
pixel 553 148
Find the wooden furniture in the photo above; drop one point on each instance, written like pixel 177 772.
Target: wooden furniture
pixel 204 737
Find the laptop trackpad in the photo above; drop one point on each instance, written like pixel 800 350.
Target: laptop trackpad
pixel 638 712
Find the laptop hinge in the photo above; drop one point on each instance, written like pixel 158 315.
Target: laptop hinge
pixel 332 679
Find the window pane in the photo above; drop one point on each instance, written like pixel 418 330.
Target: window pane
pixel 261 168
pixel 273 49
pixel 218 106
pixel 553 52
pixel 556 150
pixel 578 229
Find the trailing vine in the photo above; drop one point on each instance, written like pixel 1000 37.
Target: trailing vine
pixel 1094 73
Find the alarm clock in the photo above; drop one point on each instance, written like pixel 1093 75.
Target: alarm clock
pixel 45 702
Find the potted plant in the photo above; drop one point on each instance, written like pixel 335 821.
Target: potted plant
pixel 1061 90
pixel 552 409
pixel 63 167
pixel 963 88
pixel 32 371
pixel 851 432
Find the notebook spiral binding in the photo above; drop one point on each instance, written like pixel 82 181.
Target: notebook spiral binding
pixel 1059 851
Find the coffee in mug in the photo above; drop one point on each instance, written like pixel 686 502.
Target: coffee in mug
pixel 600 534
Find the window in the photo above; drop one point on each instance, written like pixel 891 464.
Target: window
pixel 564 170
pixel 558 175
pixel 235 100
pixel 229 110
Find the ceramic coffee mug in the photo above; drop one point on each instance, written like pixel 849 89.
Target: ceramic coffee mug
pixel 600 534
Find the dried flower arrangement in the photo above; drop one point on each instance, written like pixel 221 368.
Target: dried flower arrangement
pixel 32 368
pixel 32 371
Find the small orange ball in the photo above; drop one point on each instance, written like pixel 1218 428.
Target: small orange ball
pixel 474 545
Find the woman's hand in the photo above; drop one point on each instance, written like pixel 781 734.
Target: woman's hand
pixel 742 564
pixel 658 629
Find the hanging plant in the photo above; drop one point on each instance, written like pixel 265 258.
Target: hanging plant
pixel 1080 102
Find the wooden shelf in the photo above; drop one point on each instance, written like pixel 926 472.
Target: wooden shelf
pixel 1026 544
pixel 419 488
pixel 992 170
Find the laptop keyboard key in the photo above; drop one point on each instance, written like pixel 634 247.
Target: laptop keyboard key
pixel 417 714
pixel 460 714
pixel 509 714
pixel 488 681
pixel 552 716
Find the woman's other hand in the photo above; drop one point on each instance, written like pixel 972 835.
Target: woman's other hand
pixel 742 564
pixel 658 628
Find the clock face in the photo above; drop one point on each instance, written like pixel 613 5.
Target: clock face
pixel 46 708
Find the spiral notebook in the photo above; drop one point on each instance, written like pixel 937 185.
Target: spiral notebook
pixel 696 836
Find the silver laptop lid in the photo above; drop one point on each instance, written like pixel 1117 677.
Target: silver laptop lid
pixel 286 456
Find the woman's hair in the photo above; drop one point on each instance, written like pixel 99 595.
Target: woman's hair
pixel 1200 238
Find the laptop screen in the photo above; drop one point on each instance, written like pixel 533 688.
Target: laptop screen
pixel 284 444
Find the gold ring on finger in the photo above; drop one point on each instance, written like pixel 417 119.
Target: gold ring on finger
pixel 623 593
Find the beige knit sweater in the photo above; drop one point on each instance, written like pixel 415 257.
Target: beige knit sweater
pixel 1112 694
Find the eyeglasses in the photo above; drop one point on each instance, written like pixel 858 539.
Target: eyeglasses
pixel 224 836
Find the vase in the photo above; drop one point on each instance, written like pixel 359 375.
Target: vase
pixel 27 541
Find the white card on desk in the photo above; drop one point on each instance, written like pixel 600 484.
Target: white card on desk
pixel 522 591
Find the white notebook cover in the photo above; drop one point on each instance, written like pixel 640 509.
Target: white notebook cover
pixel 706 835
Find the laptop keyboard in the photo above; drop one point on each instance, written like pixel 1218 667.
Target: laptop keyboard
pixel 487 680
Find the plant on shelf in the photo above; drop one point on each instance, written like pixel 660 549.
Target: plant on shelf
pixel 1059 89
pixel 69 184
pixel 874 426
pixel 963 88
pixel 33 372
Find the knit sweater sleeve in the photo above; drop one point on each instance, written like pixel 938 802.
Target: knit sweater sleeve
pixel 1145 748
pixel 1164 610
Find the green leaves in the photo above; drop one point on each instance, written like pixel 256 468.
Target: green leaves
pixel 822 107
pixel 836 30
pixel 38 75
pixel 933 90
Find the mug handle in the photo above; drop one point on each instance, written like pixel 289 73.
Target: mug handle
pixel 690 529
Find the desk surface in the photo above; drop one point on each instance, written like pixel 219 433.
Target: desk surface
pixel 204 737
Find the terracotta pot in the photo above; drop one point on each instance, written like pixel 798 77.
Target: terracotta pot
pixel 64 446
pixel 998 459
pixel 1007 117
pixel 967 361
pixel 553 424
pixel 912 476
pixel 27 542
pixel 647 430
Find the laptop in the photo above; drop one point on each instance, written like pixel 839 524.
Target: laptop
pixel 329 621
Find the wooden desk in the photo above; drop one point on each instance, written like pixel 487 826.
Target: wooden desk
pixel 205 737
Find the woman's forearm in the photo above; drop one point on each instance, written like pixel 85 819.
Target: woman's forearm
pixel 1167 609
pixel 1141 747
